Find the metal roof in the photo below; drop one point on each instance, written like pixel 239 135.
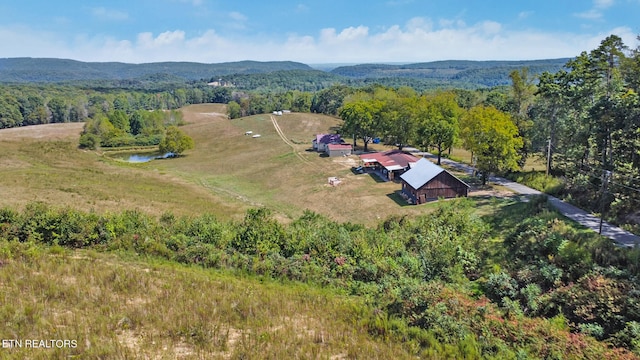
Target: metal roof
pixel 390 160
pixel 422 172
pixel 339 146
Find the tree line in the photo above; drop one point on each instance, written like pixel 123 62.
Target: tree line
pixel 22 105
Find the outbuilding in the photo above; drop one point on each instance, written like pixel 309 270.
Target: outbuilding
pixel 427 181
pixel 389 164
pixel 338 150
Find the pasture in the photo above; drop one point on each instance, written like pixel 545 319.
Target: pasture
pixel 227 172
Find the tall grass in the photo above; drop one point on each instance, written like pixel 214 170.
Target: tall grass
pixel 126 308
pixel 539 181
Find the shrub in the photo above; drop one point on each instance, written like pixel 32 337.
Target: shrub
pixel 593 330
pixel 629 337
pixel 89 141
pixel 500 286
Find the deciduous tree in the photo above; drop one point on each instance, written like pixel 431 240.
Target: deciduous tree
pixel 438 121
pixel 176 141
pixel 493 138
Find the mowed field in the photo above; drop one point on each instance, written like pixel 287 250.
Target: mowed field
pixel 227 172
pixel 280 173
pixel 43 163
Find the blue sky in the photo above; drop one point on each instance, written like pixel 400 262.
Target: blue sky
pixel 312 31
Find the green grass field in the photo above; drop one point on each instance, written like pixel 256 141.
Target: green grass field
pixel 227 172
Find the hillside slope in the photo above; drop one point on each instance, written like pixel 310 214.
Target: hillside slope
pixel 275 75
pixel 58 70
pixel 487 73
pixel 110 307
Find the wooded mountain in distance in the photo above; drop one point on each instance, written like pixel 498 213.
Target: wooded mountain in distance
pixel 59 70
pixel 486 73
pixel 255 74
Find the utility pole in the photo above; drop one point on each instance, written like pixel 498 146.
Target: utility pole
pixel 549 157
pixel 605 182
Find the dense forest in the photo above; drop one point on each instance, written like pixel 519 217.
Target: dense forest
pixel 485 73
pixel 269 76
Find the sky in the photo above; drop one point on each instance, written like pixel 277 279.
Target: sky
pixel 312 31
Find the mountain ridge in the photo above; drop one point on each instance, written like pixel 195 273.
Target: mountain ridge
pixel 454 72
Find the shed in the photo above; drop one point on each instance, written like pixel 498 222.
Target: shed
pixel 427 181
pixel 390 164
pixel 338 150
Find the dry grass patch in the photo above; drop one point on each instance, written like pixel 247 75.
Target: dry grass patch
pixel 116 308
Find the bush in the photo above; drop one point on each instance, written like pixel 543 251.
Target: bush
pixel 629 337
pixel 500 286
pixel 89 141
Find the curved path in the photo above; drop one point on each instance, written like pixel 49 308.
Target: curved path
pixel 286 141
pixel 619 236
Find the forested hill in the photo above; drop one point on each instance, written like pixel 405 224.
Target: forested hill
pixel 485 73
pixel 22 70
pixel 270 76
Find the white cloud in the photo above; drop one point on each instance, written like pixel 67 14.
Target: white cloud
pixel 603 4
pixel 592 14
pixel 416 41
pixel 596 12
pixel 419 23
pixel 237 16
pixel 167 38
pixel 109 14
pixel 302 8
pixel 237 21
pixel 524 14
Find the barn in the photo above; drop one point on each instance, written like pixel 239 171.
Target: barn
pixel 427 181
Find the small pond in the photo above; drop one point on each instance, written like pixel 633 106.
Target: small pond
pixel 144 157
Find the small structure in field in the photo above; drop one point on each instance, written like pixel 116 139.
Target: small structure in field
pixel 338 150
pixel 390 164
pixel 334 181
pixel 322 140
pixel 248 132
pixel 256 136
pixel 427 181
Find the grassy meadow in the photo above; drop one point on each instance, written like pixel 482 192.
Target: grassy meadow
pixel 125 308
pixel 227 172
